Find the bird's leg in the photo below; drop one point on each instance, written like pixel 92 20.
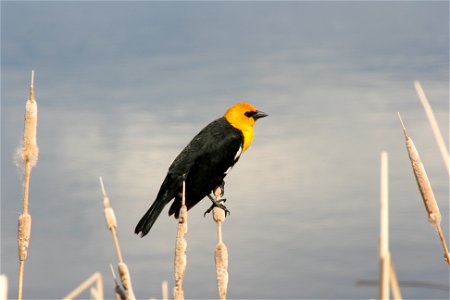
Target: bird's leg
pixel 217 203
pixel 222 190
pixel 217 200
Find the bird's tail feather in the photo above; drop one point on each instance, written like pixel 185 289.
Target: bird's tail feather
pixel 147 221
pixel 166 193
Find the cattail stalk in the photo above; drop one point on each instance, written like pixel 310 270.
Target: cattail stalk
pixel 111 224
pixel 434 125
pixel 434 215
pixel 118 289
pixel 384 229
pixel 165 290
pixel 3 287
pixel 395 287
pixel 29 155
pixel 221 252
pixel 180 248
pixel 94 278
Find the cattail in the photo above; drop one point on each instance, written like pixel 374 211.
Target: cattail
pixel 126 281
pixel 24 235
pixel 434 215
pixel 111 224
pixel 180 248
pixel 30 150
pixel 29 155
pixel 221 252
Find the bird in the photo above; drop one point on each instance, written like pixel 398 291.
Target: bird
pixel 204 163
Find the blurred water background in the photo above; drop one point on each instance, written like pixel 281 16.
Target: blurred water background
pixel 122 87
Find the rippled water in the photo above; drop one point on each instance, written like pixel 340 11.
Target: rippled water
pixel 304 199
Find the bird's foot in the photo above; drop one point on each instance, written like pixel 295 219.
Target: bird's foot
pixel 217 203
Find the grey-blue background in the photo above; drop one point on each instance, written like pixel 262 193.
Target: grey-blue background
pixel 122 87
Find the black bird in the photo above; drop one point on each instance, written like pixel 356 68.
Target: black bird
pixel 204 162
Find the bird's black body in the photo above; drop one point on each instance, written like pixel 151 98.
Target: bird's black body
pixel 205 162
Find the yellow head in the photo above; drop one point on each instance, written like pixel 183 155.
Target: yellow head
pixel 243 116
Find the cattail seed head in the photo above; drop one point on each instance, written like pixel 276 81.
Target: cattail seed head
pixel 218 214
pixel 110 217
pixel 125 279
pixel 221 259
pixel 30 150
pixel 178 293
pixel 434 215
pixel 23 236
pixel 180 253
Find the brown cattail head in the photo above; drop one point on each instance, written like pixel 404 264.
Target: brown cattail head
pixel 178 293
pixel 111 221
pixel 434 215
pixel 24 235
pixel 180 249
pixel 181 245
pixel 221 258
pixel 218 214
pixel 30 150
pixel 126 281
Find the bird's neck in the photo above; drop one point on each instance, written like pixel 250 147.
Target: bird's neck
pixel 248 137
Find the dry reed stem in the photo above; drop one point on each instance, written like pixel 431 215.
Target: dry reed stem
pixel 395 287
pixel 221 252
pixel 443 243
pixel 165 290
pixel 93 294
pixel 118 290
pixel 434 125
pixel 3 287
pixel 434 215
pixel 180 248
pixel 384 229
pixel 29 155
pixel 111 224
pixel 94 278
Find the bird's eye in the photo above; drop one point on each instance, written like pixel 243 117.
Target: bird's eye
pixel 250 114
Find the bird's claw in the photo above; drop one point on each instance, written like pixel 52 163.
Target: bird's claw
pixel 217 203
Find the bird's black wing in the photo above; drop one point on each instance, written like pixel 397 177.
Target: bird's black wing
pixel 217 143
pixel 206 161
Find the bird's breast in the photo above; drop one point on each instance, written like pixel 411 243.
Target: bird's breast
pixel 248 137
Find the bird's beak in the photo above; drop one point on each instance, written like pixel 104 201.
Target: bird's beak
pixel 259 114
